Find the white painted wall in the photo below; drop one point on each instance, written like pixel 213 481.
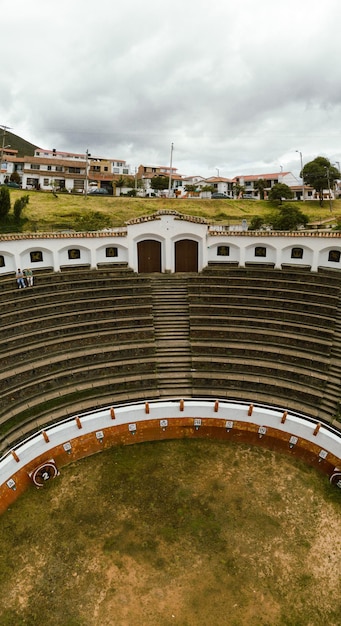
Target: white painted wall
pixel 168 227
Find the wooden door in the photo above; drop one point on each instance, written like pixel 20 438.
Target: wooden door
pixel 149 256
pixel 186 255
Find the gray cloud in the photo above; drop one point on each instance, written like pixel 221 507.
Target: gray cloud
pixel 236 85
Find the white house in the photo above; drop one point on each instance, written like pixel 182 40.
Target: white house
pixel 249 182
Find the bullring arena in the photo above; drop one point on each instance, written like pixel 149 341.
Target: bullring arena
pixel 168 328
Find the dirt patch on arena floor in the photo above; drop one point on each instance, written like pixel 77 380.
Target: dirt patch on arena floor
pixel 175 533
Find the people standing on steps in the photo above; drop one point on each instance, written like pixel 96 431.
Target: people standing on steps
pixel 20 279
pixel 29 277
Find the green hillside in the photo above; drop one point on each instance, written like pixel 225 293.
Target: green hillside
pixel 25 148
pixel 49 212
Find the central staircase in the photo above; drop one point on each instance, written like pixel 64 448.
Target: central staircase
pixel 171 323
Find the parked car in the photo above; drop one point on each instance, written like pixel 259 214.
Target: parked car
pixel 99 191
pixel 13 185
pixel 217 195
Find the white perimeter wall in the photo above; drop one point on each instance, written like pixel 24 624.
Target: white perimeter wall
pixel 168 228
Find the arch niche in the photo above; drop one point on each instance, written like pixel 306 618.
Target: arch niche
pixel 149 256
pixel 186 255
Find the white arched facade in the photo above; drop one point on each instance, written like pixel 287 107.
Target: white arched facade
pixel 311 249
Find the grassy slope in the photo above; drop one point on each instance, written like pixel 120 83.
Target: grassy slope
pixel 46 212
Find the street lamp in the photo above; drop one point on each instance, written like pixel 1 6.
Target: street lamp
pixel 300 153
pixel 170 171
pixel 329 190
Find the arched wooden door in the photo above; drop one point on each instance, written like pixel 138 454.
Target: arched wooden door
pixel 186 255
pixel 149 256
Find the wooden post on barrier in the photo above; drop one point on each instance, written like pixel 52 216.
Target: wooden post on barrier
pixel 45 435
pixel 182 405
pixel 146 408
pixel 15 456
pixel 112 413
pixel 317 428
pixel 78 422
pixel 250 410
pixel 216 406
pixel 284 417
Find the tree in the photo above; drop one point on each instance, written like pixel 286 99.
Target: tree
pixel 120 183
pixel 19 206
pixel 92 220
pixel 279 192
pixel 238 190
pixel 256 222
pixel 15 178
pixel 287 217
pixel 5 202
pixel 159 183
pixel 320 174
pixel 260 185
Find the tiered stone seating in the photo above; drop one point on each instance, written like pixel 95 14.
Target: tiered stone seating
pixel 88 338
pixel 263 334
pixel 72 342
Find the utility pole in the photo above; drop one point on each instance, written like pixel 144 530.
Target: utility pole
pixel 170 171
pixel 4 128
pixel 87 154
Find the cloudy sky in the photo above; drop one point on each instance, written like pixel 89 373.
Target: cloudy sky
pixel 236 85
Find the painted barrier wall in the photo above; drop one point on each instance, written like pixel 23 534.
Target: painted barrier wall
pixel 42 456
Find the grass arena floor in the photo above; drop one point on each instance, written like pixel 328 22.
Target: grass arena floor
pixel 182 533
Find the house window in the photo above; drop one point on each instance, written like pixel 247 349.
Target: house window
pixel 125 171
pixel 59 183
pixel 223 251
pixel 74 253
pixel 74 170
pixel 59 168
pixel 334 256
pixel 36 256
pixel 260 251
pixel 46 182
pixel 35 166
pixel 105 168
pixel 2 261
pixel 110 252
pixel 297 253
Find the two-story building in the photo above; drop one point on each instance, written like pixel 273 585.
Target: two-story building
pixel 145 173
pixel 249 183
pixel 50 170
